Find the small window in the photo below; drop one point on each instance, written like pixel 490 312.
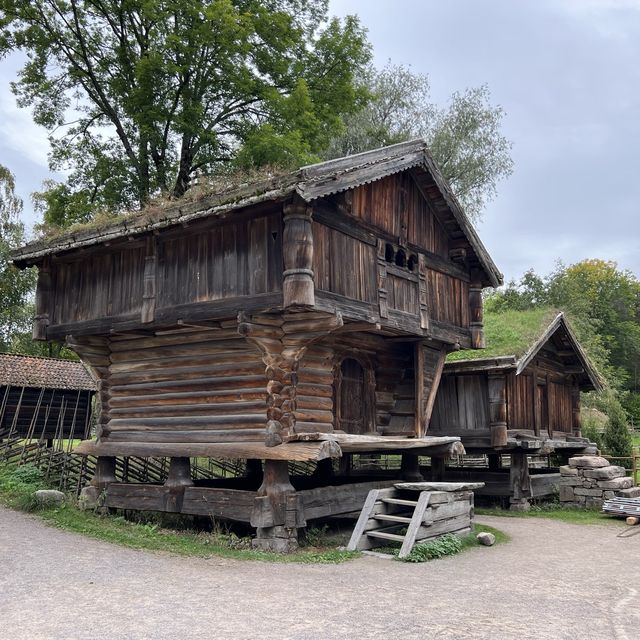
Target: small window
pixel 401 258
pixel 389 253
pixel 412 263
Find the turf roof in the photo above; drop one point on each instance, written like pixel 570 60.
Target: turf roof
pixel 509 333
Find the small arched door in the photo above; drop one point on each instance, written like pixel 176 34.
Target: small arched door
pixel 351 398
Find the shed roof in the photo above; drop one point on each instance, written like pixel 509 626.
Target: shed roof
pixel 514 338
pixel 309 183
pixel 50 373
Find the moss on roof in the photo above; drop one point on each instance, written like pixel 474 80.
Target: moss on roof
pixel 509 333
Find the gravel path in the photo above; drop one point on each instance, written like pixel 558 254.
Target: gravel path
pixel 553 581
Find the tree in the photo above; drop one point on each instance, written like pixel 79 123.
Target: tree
pixel 464 137
pixel 16 287
pixel 138 95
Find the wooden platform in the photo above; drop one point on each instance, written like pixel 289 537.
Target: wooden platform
pixel 236 504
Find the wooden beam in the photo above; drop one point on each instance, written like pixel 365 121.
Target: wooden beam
pixel 476 311
pixel 497 409
pixel 295 451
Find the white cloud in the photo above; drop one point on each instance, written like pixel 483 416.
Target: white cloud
pixel 18 133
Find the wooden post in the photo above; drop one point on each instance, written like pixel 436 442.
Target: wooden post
pixel 178 479
pixel 520 481
pixel 423 292
pixel 298 287
pixel 105 472
pixel 148 310
pixel 278 510
pixel 324 470
pixel 549 414
pixel 43 299
pixel 498 409
pixel 576 426
pixel 537 418
pixel 476 311
pixel 382 280
pixel 410 468
pixel 495 461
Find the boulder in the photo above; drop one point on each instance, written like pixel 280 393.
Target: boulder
pixel 616 484
pixel 49 497
pixel 605 473
pixel 588 462
pixel 88 499
pixel 485 538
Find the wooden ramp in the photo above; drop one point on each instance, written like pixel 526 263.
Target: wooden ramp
pixel 412 512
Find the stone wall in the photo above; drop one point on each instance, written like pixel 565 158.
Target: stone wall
pixel 588 481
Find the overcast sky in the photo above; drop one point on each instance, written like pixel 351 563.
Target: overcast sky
pixel 567 73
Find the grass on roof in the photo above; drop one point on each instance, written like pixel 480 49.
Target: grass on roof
pixel 509 333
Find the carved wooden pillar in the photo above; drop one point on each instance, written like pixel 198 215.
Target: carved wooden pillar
pixel 298 287
pixel 43 298
pixel 576 426
pixel 278 511
pixel 498 409
pixel 105 472
pixel 177 481
pixel 428 366
pixel 148 311
pixel 383 309
pixel 283 340
pixel 476 311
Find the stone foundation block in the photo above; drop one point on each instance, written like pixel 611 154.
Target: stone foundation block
pixel 593 503
pixel 571 481
pixel 605 473
pixel 588 462
pixel 633 492
pixel 607 495
pixel 616 484
pixel 566 470
pixel 89 498
pixel 566 494
pixel 581 491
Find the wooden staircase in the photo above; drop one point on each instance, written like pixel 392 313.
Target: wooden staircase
pixel 408 513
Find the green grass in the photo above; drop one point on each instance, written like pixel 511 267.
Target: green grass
pixel 17 486
pixel 509 333
pixel 553 511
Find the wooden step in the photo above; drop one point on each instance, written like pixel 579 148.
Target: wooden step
pixel 406 503
pixel 385 536
pixel 392 518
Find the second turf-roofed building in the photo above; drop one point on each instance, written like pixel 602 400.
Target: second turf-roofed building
pixel 519 396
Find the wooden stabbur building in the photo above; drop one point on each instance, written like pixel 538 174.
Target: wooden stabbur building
pixel 43 399
pixel 301 318
pixel 519 397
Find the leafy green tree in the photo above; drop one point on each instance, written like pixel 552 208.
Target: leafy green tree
pixel 616 438
pixel 465 137
pixel 16 287
pixel 138 96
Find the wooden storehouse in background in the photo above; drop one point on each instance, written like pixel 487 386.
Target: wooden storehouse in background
pixel 43 399
pixel 520 396
pixel 302 318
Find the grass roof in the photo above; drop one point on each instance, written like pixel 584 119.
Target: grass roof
pixel 509 333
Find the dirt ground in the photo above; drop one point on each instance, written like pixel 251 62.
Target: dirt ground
pixel 552 581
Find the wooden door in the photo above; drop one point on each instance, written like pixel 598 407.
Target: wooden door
pixel 351 397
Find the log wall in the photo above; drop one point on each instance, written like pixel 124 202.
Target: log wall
pixel 198 386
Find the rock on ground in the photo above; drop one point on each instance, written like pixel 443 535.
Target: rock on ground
pixel 49 496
